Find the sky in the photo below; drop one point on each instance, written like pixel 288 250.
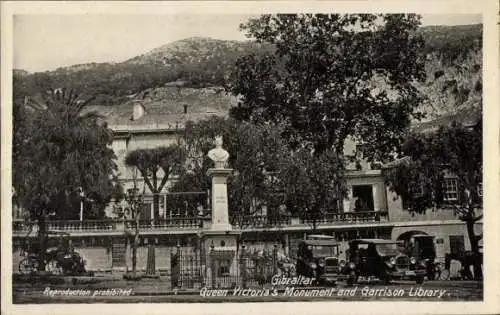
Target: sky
pixel 46 42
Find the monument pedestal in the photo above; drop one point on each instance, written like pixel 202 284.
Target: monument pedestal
pixel 222 263
pixel 220 209
pixel 220 242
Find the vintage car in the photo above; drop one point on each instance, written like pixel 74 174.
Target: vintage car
pixel 60 259
pixel 423 249
pixel 379 258
pixel 318 259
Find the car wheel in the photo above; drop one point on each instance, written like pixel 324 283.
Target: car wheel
pixel 54 267
pixel 431 275
pixel 444 275
pixel 419 280
pixel 437 271
pixel 352 278
pixel 26 266
pixel 386 279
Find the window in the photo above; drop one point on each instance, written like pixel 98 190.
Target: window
pixel 450 190
pixel 457 244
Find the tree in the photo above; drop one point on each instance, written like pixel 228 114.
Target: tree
pixel 149 162
pixel 314 184
pixel 135 202
pixel 58 148
pixel 254 154
pixel 331 77
pixel 454 150
pixel 268 173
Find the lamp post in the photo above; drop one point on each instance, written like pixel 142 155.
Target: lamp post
pixel 82 197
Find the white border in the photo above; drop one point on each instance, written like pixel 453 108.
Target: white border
pixel 488 8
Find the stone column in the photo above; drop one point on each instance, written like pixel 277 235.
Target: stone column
pixel 375 195
pixel 382 197
pixel 348 199
pixel 287 245
pixel 220 209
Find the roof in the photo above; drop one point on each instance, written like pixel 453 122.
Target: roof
pixel 373 240
pixel 422 235
pixel 467 116
pixel 320 236
pixel 164 109
pixel 397 162
pixel 320 242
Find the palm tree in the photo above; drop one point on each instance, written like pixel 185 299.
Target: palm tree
pixel 58 147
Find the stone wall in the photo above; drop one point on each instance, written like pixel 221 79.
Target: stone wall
pixel 98 258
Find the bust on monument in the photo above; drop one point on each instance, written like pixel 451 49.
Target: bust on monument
pixel 218 154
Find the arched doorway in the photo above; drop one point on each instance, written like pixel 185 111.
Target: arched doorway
pixel 406 236
pixel 413 242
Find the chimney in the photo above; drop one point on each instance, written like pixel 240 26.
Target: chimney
pixel 138 111
pixel 185 109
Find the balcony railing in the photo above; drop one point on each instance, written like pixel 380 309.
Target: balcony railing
pixel 87 225
pixel 169 223
pixel 260 221
pixel 31 228
pixel 197 223
pixel 22 226
pixel 350 217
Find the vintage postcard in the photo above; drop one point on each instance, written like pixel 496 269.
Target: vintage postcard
pixel 284 157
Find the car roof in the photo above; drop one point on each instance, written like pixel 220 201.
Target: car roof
pixel 320 242
pixel 372 241
pixel 320 237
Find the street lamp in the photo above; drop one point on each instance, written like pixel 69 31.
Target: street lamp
pixel 82 196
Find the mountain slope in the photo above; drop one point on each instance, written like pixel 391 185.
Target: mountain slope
pixel 453 85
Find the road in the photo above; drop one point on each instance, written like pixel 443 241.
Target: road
pixel 398 291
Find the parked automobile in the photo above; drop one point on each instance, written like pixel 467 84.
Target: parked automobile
pixel 382 259
pixel 318 259
pixel 61 260
pixel 65 262
pixel 423 249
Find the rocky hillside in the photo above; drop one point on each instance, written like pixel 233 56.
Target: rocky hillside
pixel 202 51
pixel 454 72
pixel 453 85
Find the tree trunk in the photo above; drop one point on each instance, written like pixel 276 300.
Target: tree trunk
pixel 478 273
pixel 134 255
pixel 134 248
pixel 42 239
pixel 156 207
pixel 156 198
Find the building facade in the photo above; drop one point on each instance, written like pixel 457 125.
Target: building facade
pixel 370 210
